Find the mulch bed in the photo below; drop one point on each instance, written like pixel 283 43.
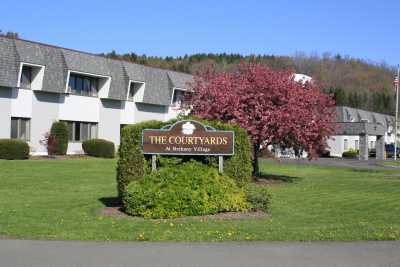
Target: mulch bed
pixel 117 212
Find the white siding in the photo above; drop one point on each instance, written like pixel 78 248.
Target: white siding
pixel 109 124
pixel 145 112
pixel 128 109
pixel 5 112
pixel 45 107
pixel 79 108
pixel 21 103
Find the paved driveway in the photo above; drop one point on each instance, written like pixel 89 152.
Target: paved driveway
pixel 66 253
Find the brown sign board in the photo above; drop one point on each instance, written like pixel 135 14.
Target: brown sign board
pixel 188 137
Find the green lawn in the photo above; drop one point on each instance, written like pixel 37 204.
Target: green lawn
pixel 55 199
pixel 391 163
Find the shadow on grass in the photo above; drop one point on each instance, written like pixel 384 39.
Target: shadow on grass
pixel 272 178
pixel 110 201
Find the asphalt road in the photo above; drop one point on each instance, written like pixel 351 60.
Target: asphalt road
pixel 231 254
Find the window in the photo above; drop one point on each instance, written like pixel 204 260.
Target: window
pixel 26 77
pixel 181 97
pixel 356 145
pixel 83 85
pixel 21 128
pixel 81 131
pixel 346 144
pixel 134 87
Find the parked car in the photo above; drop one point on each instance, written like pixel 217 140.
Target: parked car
pixel 390 151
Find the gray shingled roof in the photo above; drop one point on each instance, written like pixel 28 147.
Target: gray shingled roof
pixel 180 80
pixel 119 80
pixel 157 87
pixel 134 71
pixel 347 114
pixel 57 61
pixel 9 66
pixel 55 75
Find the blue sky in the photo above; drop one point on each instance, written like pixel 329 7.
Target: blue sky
pixel 366 29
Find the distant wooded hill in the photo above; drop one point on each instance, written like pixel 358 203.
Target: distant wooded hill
pixel 354 82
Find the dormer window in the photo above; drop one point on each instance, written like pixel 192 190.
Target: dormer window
pixel 83 85
pixel 31 76
pixel 26 77
pixel 135 89
pixel 180 97
pixel 349 117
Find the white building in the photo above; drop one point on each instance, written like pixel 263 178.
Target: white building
pixel 94 95
pixel 350 129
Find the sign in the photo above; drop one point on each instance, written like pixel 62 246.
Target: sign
pixel 188 138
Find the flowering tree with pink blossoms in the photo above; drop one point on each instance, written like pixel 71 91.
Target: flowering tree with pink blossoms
pixel 269 104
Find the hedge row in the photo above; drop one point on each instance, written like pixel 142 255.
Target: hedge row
pixel 191 189
pixel 351 153
pixel 99 148
pixel 13 149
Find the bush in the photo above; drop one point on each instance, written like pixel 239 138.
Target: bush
pixel 13 149
pixel 238 166
pixel 59 130
pixel 99 148
pixel 258 197
pixel 132 163
pixel 187 189
pixel 351 153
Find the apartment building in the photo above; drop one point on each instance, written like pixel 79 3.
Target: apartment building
pixel 96 96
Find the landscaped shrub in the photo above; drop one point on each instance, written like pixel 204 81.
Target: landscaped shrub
pixel 132 162
pixel 59 130
pixel 185 189
pixel 50 142
pixel 258 197
pixel 351 153
pixel 239 166
pixel 99 148
pixel 13 149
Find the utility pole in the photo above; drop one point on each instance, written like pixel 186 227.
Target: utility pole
pixel 397 82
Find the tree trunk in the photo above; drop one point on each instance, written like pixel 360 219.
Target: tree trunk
pixel 256 169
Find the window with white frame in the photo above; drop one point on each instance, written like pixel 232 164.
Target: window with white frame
pixel 83 85
pixel 356 144
pixel 21 128
pixel 345 144
pixel 134 88
pixel 81 131
pixel 180 97
pixel 371 144
pixel 26 77
pixel 31 76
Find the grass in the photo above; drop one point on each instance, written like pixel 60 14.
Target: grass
pixel 391 163
pixel 58 199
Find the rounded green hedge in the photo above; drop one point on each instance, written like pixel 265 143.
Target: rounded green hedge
pixel 351 153
pixel 187 189
pixel 132 163
pixel 99 148
pixel 60 131
pixel 13 149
